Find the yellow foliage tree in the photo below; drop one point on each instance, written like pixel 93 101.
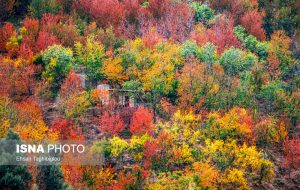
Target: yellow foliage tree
pixel 159 77
pixel 234 179
pixel 114 70
pixel 34 132
pixel 246 159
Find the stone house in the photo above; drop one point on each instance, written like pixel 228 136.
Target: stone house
pixel 122 97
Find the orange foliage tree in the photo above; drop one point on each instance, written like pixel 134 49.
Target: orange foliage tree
pixel 192 80
pixel 199 35
pixel 73 175
pixel 269 131
pixel 30 124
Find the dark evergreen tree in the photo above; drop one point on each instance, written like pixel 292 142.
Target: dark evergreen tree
pixel 12 177
pixel 280 15
pixel 50 177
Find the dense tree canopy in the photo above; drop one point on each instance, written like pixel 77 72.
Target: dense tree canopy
pixel 174 94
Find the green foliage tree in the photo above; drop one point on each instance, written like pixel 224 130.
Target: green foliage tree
pixel 189 48
pixel 102 147
pixel 245 90
pixel 57 61
pixel 235 63
pixel 203 13
pixel 90 56
pixel 272 96
pixel 134 87
pixel 208 54
pixel 251 43
pixel 232 61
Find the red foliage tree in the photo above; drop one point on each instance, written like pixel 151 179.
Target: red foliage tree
pixel 32 27
pixel 291 149
pixel 124 180
pixel 158 8
pixel 273 65
pixel 111 124
pixel 233 8
pixel 222 34
pixel 105 12
pixel 73 175
pixel 126 114
pixel 26 51
pixel 28 44
pixel 252 21
pixel 67 131
pixel 71 85
pixel 16 78
pixel 50 23
pixel 29 112
pixel 177 22
pixel 132 10
pixel 6 32
pixel 199 35
pixel 151 153
pixel 45 40
pixel 141 121
pixel 152 38
pixel 67 34
pixel 221 5
pixel 36 40
pixel 172 20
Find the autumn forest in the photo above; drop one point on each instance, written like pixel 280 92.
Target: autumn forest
pixel 176 94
